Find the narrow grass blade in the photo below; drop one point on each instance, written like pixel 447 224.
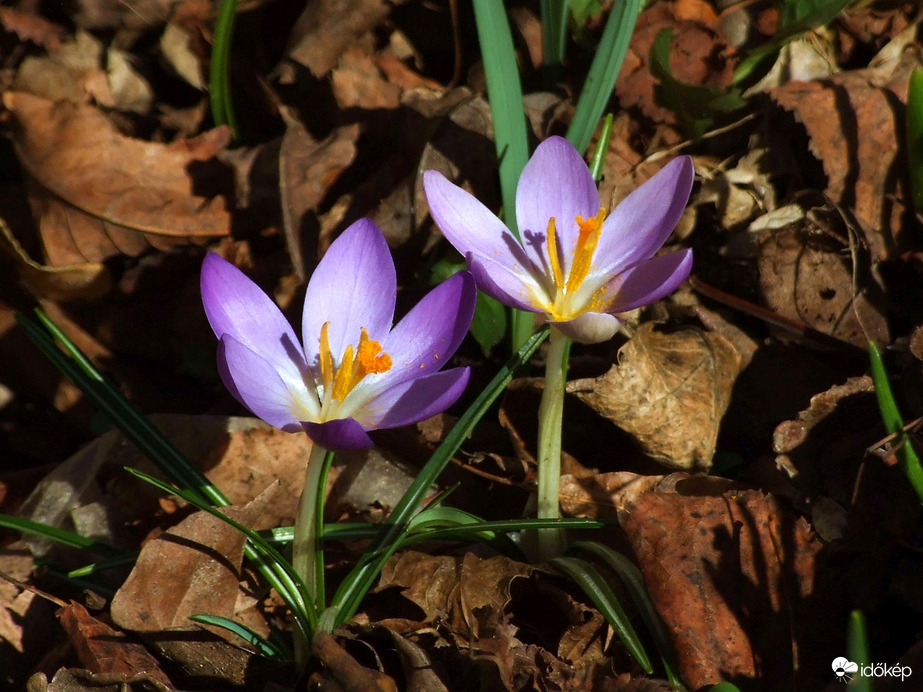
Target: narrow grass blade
pixel 633 581
pixel 602 148
pixel 914 141
pixel 858 650
pixel 504 91
pixel 263 646
pixel 55 572
pixel 598 591
pixel 554 37
pixel 219 73
pixel 894 424
pixel 357 583
pixel 62 536
pixel 724 687
pixel 603 72
pixel 97 567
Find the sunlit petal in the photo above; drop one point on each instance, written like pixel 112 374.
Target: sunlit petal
pixel 641 224
pixel 354 286
pixel 236 306
pixel 416 400
pixel 256 384
pixel 646 282
pixel 555 183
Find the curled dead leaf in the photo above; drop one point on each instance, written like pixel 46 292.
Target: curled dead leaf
pixel 97 193
pixel 669 390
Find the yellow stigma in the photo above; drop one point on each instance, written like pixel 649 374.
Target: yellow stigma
pixel 587 240
pixel 355 364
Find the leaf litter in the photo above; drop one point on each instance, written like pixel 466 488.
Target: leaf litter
pixel 806 247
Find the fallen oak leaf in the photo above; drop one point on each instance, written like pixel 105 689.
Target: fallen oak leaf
pixel 98 193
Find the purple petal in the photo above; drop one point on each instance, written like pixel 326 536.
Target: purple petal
pixel 237 307
pixel 340 435
pixel 647 282
pixel 431 332
pixel 516 290
pixel 470 226
pixel 556 183
pixel 641 224
pixel 590 327
pixel 416 400
pixel 256 384
pixel 354 286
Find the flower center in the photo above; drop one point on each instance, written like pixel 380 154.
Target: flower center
pixel 365 359
pixel 585 248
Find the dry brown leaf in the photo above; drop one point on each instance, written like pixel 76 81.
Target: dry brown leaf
pixel 806 275
pixel 734 578
pixel 97 193
pixel 86 281
pixel 327 28
pixel 358 83
pixel 14 602
pixel 80 680
pixel 204 556
pixel 31 27
pixel 603 495
pixel 669 390
pixel 855 122
pixel 104 650
pixel 72 73
pixel 468 592
pixel 307 170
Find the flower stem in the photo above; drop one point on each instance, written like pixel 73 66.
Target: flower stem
pixel 307 547
pixel 550 416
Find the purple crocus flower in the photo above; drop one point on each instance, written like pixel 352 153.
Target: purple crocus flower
pixel 577 264
pixel 352 372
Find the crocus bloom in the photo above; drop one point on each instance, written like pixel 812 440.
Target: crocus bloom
pixel 577 264
pixel 352 372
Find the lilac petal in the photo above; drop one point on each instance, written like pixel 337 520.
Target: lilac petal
pixel 256 384
pixel 641 224
pixel 647 282
pixel 556 182
pixel 354 286
pixel 470 226
pixel 415 400
pixel 340 435
pixel 431 332
pixel 516 290
pixel 590 327
pixel 237 307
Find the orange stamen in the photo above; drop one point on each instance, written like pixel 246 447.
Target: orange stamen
pixel 556 272
pixel 587 240
pixel 326 358
pixel 366 359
